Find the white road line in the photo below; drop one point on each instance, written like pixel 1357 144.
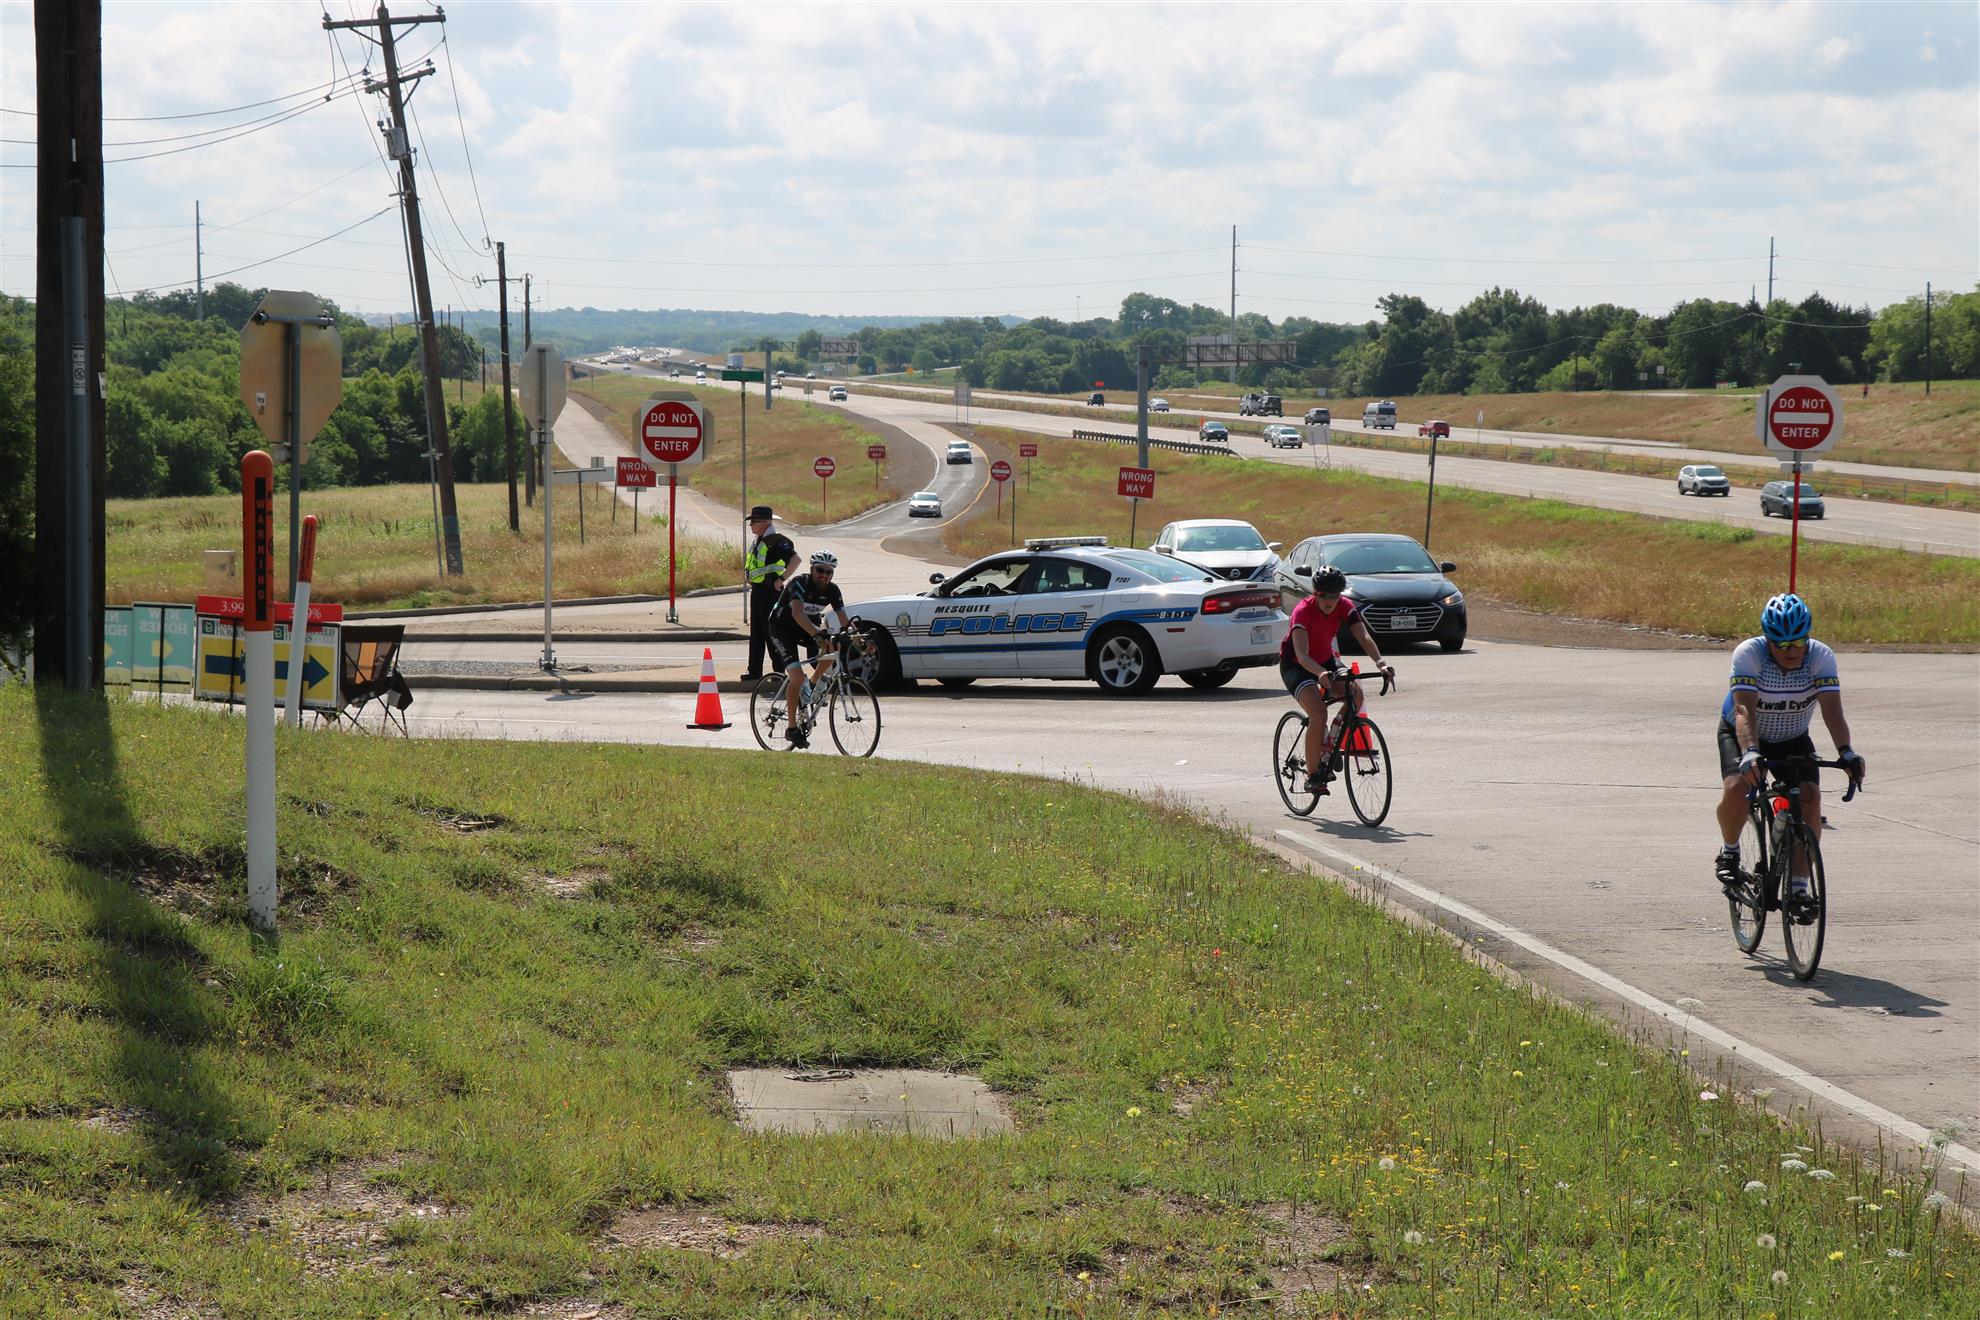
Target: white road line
pixel 1896 1124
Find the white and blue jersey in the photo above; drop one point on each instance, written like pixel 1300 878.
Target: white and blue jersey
pixel 1787 696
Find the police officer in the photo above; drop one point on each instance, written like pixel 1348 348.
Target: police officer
pixel 770 556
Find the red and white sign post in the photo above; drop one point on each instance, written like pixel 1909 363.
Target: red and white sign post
pixel 1799 417
pixel 1027 451
pixel 1137 484
pixel 673 434
pixel 878 453
pixel 299 637
pixel 824 467
pixel 258 625
pixel 1000 472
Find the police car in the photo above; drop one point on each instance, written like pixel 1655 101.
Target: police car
pixel 1074 607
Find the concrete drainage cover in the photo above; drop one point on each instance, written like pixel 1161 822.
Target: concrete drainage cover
pixel 915 1101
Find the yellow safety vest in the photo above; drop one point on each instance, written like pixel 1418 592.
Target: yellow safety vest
pixel 758 565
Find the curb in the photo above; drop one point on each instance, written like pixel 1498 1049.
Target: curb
pixel 701 635
pixel 550 683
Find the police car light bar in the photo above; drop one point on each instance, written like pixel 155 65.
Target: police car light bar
pixel 1060 542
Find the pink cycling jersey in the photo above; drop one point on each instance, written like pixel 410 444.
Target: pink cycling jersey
pixel 1321 628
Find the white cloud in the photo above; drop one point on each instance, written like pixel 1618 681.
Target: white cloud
pixel 855 159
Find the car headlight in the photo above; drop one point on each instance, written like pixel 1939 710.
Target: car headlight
pixel 1455 599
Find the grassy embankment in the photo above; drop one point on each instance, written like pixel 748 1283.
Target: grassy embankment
pixel 1903 422
pixel 783 442
pixel 375 547
pixel 483 1069
pixel 1537 554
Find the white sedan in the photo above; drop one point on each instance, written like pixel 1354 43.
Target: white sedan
pixel 924 504
pixel 1075 607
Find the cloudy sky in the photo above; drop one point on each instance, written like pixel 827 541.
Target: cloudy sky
pixel 1043 159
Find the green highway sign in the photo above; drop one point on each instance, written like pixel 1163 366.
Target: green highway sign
pixel 742 373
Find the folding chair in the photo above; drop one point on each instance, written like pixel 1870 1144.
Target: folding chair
pixel 371 676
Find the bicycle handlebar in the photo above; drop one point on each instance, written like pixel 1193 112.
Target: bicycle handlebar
pixel 1855 781
pixel 1388 679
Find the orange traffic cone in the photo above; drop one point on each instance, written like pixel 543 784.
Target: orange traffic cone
pixel 708 701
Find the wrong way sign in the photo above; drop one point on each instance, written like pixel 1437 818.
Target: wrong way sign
pixel 1802 416
pixel 1137 483
pixel 672 432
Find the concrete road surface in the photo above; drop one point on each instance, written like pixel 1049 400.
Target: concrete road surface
pixel 1554 804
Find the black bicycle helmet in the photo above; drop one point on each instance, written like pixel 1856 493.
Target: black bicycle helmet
pixel 1329 580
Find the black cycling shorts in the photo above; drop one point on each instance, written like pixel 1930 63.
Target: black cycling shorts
pixel 787 640
pixel 1296 675
pixel 1795 758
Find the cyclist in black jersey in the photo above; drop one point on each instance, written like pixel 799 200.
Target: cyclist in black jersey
pixel 796 623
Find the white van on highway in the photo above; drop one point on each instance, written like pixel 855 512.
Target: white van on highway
pixel 1381 416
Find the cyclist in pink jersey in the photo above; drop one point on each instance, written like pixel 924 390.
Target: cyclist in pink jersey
pixel 1310 666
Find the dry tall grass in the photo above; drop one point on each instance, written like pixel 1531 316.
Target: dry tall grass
pixel 783 443
pixel 1537 554
pixel 375 548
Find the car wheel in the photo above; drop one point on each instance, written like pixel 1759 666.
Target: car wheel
pixel 957 682
pixel 887 663
pixel 1209 679
pixel 1681 489
pixel 1452 643
pixel 1123 662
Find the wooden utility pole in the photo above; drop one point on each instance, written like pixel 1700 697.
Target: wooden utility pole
pixel 400 142
pixel 508 399
pixel 68 323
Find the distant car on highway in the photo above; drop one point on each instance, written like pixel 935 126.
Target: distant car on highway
pixel 924 504
pixel 1703 479
pixel 1403 595
pixel 837 394
pixel 1096 399
pixel 1223 547
pixel 811 375
pixel 1777 500
pixel 1260 404
pixel 1075 607
pixel 958 452
pixel 1213 433
pixel 700 377
pixel 1436 428
pixel 1319 417
pixel 1280 436
pixel 1158 405
pixel 1381 416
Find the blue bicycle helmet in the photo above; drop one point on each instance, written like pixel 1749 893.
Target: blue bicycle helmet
pixel 1786 619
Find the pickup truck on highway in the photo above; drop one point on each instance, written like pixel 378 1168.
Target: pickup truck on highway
pixel 1260 404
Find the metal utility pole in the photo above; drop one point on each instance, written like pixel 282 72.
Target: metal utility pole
pixel 769 347
pixel 401 150
pixel 1233 305
pixel 199 269
pixel 1928 339
pixel 527 340
pixel 1770 272
pixel 68 322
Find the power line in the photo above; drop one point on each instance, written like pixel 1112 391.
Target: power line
pixel 867 265
pixel 461 121
pixel 220 275
pixel 1504 261
pixel 274 116
pixel 1472 284
pixel 249 132
pixel 192 114
pixel 297 198
pixel 966 288
pixel 433 171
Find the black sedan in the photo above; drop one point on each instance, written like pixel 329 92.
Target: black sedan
pixel 1403 595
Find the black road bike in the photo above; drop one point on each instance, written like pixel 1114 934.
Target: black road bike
pixel 1773 836
pixel 1360 759
pixel 843 696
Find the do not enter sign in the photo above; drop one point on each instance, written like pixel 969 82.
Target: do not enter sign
pixel 1000 471
pixel 823 466
pixel 672 431
pixel 1803 416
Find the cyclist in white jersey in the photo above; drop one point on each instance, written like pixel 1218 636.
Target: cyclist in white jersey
pixel 1778 680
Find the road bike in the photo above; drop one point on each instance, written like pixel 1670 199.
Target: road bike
pixel 847 701
pixel 1360 758
pixel 1773 835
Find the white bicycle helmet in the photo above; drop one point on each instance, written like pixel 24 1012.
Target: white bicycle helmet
pixel 824 559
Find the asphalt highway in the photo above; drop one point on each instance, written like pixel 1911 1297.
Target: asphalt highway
pixel 1564 796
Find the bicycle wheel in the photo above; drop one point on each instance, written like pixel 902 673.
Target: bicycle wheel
pixel 855 718
pixel 1365 757
pixel 767 716
pixel 1749 906
pixel 1289 764
pixel 1804 921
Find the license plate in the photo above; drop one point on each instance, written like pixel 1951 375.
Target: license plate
pixel 1261 634
pixel 1403 622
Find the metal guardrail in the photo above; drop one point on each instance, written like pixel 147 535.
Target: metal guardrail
pixel 1178 446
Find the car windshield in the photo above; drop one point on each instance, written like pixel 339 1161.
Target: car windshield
pixel 1378 557
pixel 924 494
pixel 1218 538
pixel 958 444
pixel 1159 567
pixel 1708 472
